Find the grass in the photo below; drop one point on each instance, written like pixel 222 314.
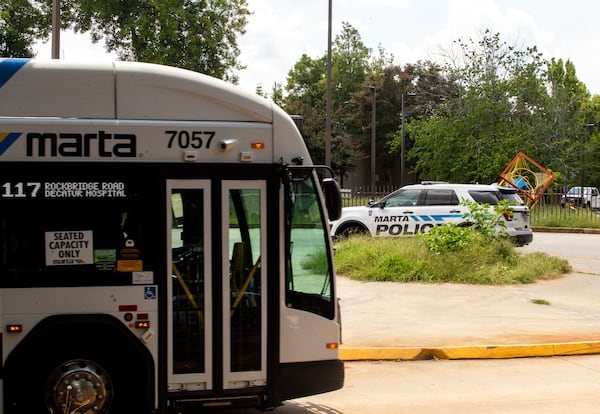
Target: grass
pixel 489 262
pixel 556 216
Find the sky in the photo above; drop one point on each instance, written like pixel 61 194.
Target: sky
pixel 279 32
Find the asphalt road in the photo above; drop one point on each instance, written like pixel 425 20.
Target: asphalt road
pixel 555 385
pixel 523 385
pixel 580 249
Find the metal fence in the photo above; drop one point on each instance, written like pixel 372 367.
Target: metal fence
pixel 547 211
pixel 360 196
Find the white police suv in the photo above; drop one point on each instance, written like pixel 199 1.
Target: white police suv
pixel 417 208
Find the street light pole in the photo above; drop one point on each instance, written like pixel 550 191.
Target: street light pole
pixel 582 198
pixel 328 110
pixel 55 29
pixel 403 149
pixel 373 119
pixel 403 152
pixel 581 204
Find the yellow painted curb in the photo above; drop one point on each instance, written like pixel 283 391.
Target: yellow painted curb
pixel 469 352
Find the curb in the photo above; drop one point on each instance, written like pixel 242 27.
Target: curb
pixel 469 352
pixel 542 229
pixel 477 351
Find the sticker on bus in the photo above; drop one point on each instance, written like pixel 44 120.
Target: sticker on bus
pixel 69 248
pixel 105 259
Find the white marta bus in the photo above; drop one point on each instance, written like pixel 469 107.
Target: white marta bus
pixel 164 244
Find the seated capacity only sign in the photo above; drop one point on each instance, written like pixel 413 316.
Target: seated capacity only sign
pixel 69 248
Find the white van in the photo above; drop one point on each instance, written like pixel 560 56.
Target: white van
pixel 590 198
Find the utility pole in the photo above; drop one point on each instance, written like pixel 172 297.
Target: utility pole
pixel 581 194
pixel 328 103
pixel 373 131
pixel 403 152
pixel 55 29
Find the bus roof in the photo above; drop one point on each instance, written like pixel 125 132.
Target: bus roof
pixel 122 90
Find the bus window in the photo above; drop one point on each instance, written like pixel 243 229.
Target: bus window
pixel 309 275
pixel 245 285
pixel 74 237
pixel 187 230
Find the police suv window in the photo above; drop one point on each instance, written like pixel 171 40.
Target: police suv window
pixel 486 197
pixel 440 198
pixel 408 197
pixel 512 197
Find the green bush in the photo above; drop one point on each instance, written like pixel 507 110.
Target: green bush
pixel 482 223
pixel 409 259
pixel 447 238
pixel 477 254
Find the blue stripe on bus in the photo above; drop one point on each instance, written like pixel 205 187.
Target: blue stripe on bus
pixel 7 139
pixel 8 67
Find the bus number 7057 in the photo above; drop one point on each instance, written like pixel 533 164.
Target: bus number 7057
pixel 190 139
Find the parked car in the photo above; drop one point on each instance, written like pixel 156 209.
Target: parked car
pixel 590 198
pixel 417 208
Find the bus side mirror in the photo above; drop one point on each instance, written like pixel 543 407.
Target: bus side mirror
pixel 333 198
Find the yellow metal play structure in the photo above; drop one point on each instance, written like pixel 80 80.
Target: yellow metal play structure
pixel 527 176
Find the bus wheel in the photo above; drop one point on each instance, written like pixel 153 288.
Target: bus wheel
pixel 79 386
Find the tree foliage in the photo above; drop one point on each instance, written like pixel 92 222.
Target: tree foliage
pixel 199 35
pixel 511 100
pixel 562 125
pixel 21 24
pixel 306 95
pixel 426 87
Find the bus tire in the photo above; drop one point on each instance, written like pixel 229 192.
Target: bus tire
pixel 77 366
pixel 86 380
pixel 77 384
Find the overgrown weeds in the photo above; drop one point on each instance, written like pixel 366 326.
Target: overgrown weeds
pixel 408 259
pixel 479 254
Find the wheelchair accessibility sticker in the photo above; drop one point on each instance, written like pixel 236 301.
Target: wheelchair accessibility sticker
pixel 150 292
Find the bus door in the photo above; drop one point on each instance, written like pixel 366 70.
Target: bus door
pixel 190 315
pixel 244 288
pixel 238 354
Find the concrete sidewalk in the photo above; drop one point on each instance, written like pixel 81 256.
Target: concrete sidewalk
pixel 384 320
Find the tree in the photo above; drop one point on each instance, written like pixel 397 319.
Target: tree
pixel 426 88
pixel 21 24
pixel 390 82
pixel 591 140
pixel 350 65
pixel 564 118
pixel 199 35
pixel 476 134
pixel 306 90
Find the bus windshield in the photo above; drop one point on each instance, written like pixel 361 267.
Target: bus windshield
pixel 309 276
